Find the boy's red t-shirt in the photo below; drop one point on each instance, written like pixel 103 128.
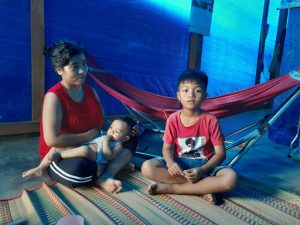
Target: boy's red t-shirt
pixel 196 141
pixel 77 117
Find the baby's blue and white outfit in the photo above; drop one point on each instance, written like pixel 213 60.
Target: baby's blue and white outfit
pixel 99 141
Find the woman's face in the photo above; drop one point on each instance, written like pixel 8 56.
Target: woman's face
pixel 74 73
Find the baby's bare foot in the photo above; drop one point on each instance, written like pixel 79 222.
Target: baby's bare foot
pixel 111 185
pixel 37 171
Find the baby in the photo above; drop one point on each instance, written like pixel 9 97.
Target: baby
pixel 101 149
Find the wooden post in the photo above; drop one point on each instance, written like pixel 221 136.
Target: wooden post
pixel 37 74
pixel 195 51
pixel 261 48
pixel 37 57
pixel 279 43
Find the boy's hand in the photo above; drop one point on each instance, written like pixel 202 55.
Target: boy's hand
pixel 175 170
pixel 194 175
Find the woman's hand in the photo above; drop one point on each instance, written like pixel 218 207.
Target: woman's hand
pixel 193 175
pixel 93 133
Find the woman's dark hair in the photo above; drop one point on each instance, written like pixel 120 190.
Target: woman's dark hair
pixel 194 75
pixel 61 52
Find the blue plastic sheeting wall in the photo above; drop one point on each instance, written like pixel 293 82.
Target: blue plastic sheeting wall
pixel 230 52
pixel 142 43
pixel 145 43
pixel 285 128
pixel 15 61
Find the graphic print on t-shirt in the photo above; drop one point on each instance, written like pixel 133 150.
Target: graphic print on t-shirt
pixel 192 147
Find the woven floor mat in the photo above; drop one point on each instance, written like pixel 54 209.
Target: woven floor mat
pixel 249 203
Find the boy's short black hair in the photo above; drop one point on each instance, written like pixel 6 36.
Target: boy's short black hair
pixel 194 75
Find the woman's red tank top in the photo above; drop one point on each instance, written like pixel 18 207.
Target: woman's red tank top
pixel 77 117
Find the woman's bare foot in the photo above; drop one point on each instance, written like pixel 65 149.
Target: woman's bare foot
pixel 37 171
pixel 110 185
pixel 211 198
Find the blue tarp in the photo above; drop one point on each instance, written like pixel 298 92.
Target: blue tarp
pixel 15 61
pixel 142 43
pixel 145 43
pixel 285 128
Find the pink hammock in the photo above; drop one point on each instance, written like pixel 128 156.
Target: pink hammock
pixel 160 107
pixel 156 106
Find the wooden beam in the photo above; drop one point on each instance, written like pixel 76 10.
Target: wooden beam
pixel 195 51
pixel 279 43
pixel 37 57
pixel 261 48
pixel 19 128
pixel 37 74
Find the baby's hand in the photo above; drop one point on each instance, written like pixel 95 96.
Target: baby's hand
pixel 107 137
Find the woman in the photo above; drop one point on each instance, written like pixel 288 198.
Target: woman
pixel 72 114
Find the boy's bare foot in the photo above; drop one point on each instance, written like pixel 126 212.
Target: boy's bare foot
pixel 211 198
pixel 110 185
pixel 159 188
pixel 37 171
pixel 152 189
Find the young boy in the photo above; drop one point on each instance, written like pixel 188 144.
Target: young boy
pixel 101 149
pixel 193 147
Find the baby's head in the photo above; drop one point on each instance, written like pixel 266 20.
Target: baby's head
pixel 121 129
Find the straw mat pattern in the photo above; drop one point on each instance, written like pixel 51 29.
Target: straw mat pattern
pixel 250 203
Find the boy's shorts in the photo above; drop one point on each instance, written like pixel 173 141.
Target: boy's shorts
pixel 186 163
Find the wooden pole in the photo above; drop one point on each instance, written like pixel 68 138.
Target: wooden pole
pixel 37 57
pixel 195 51
pixel 37 74
pixel 261 48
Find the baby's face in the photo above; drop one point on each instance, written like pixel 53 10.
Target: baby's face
pixel 118 130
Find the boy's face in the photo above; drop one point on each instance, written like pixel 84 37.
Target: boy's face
pixel 118 130
pixel 190 94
